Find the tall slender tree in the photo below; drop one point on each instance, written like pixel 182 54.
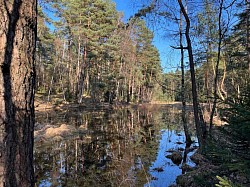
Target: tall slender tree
pixel 183 90
pixel 198 117
pixel 217 65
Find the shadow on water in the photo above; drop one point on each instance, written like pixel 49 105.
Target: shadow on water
pixel 126 147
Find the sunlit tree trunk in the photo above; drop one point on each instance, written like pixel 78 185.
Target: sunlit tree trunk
pixel 78 70
pixel 221 89
pixel 17 81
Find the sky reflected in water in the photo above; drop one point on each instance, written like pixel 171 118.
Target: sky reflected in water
pixel 110 148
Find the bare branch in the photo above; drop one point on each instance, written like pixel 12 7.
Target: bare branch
pixel 231 4
pixel 178 47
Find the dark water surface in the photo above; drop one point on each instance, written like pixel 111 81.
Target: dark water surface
pixel 111 148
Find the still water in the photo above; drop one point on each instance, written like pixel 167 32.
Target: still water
pixel 125 147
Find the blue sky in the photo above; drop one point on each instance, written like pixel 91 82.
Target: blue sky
pixel 169 57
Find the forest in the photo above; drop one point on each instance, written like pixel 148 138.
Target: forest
pixel 81 80
pixel 96 54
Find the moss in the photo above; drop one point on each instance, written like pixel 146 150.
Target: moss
pixel 201 180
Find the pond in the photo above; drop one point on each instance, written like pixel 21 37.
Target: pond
pixel 126 147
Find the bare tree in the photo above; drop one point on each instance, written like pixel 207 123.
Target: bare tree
pixel 217 66
pixel 221 35
pixel 183 114
pixel 198 117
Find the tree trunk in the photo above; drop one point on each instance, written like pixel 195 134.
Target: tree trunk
pixel 183 99
pixel 198 117
pixel 217 68
pixel 17 81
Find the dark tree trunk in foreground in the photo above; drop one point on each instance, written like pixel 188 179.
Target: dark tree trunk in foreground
pixel 183 98
pixel 198 117
pixel 17 80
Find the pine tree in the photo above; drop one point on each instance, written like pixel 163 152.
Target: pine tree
pixel 18 29
pixel 237 55
pixel 94 53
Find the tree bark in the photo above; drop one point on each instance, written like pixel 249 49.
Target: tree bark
pixel 17 81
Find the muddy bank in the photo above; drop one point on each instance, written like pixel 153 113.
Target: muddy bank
pixel 89 105
pixel 231 163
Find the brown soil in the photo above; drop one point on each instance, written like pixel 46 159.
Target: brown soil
pixel 224 159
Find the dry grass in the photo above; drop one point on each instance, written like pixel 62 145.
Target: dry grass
pixel 49 132
pixel 63 130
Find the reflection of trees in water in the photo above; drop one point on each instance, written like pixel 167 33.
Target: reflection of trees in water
pixel 110 148
pixel 106 151
pixel 171 116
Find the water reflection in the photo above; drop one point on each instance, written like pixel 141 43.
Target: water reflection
pixel 111 148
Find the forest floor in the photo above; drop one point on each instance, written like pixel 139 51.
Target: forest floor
pixel 56 103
